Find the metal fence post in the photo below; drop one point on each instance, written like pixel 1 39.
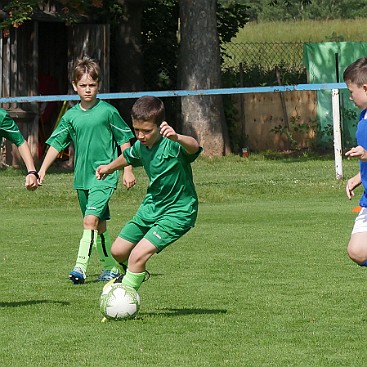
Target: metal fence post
pixel 337 134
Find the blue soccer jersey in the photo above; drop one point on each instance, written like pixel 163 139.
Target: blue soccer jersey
pixel 361 136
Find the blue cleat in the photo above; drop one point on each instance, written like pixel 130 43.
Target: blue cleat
pixel 108 275
pixel 77 275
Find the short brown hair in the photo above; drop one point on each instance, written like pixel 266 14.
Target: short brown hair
pixel 356 72
pixel 86 65
pixel 148 108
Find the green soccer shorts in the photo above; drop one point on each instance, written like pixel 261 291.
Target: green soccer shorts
pixel 95 202
pixel 161 233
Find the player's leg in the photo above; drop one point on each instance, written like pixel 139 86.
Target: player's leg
pixel 136 268
pixel 111 268
pixel 86 243
pixel 357 246
pixel 158 237
pixel 121 249
pixel 130 235
pixel 97 206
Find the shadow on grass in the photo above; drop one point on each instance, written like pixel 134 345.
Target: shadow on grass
pixel 298 155
pixel 183 312
pixel 31 303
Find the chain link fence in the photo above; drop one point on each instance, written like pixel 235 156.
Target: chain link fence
pixel 263 63
pixel 265 54
pixel 243 64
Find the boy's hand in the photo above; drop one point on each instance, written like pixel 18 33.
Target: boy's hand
pixel 349 189
pixel 41 175
pixel 352 183
pixel 168 132
pixel 102 172
pixel 128 179
pixel 31 182
pixel 358 152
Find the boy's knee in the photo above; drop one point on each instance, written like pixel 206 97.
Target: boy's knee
pixel 90 222
pixel 357 253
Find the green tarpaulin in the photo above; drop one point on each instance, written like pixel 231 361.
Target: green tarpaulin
pixel 325 63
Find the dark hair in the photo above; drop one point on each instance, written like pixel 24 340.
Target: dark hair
pixel 356 72
pixel 86 65
pixel 148 108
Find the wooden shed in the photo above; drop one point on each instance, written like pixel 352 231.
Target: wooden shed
pixel 37 59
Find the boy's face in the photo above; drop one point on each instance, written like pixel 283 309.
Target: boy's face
pixel 147 132
pixel 87 89
pixel 358 94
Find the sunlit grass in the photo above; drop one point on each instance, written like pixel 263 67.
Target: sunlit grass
pixel 262 280
pixel 305 31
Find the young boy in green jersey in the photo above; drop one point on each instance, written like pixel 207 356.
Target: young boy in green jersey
pixel 97 130
pixel 10 131
pixel 170 206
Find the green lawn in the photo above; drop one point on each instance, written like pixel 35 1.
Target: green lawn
pixel 262 280
pixel 333 30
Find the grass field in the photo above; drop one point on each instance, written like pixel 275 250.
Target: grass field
pixel 262 280
pixel 305 31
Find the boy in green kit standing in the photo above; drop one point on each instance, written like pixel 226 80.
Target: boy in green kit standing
pixel 170 207
pixel 97 130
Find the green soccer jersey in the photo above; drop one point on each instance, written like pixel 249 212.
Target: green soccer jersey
pixel 171 192
pixel 96 134
pixel 9 130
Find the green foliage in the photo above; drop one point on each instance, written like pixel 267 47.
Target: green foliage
pixel 160 43
pixel 231 16
pixel 295 127
pixel 17 12
pixel 282 10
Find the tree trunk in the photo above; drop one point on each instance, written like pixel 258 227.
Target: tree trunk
pixel 126 55
pixel 199 68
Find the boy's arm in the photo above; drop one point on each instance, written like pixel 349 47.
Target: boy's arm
pixel 31 182
pixel 352 183
pixel 106 169
pixel 188 142
pixel 48 160
pixel 128 177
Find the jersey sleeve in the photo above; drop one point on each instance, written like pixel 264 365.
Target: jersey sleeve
pixel 191 157
pixel 61 136
pixel 10 131
pixel 176 149
pixel 132 155
pixel 120 130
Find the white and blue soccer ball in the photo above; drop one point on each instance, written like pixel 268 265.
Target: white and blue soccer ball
pixel 119 301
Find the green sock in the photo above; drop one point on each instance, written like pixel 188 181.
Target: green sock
pixel 104 244
pixel 133 280
pixel 85 248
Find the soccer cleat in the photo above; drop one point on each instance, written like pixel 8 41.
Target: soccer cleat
pixel 108 275
pixel 77 275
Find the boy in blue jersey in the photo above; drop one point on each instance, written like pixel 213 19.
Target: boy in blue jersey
pixel 97 130
pixel 10 131
pixel 170 206
pixel 355 76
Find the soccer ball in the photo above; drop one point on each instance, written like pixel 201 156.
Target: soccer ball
pixel 119 301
